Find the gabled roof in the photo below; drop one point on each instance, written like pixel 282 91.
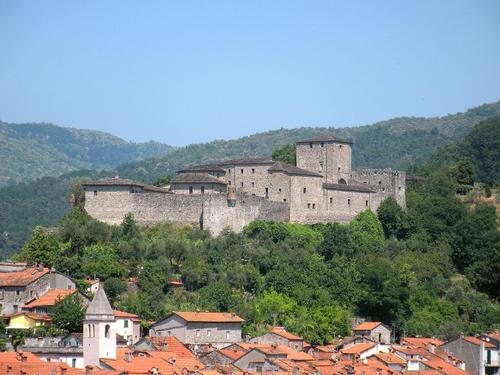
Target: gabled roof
pixel 292 170
pixel 345 187
pixel 123 314
pixel 196 178
pixel 50 298
pixel 421 341
pixel 281 331
pixel 100 305
pixel 390 358
pixel 247 161
pixel 23 277
pixel 32 315
pixel 476 341
pixel 232 353
pixel 208 317
pixel 367 326
pixel 324 138
pixel 358 348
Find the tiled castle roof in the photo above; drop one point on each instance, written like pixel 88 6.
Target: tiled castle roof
pixel 196 178
pixel 115 181
pixel 292 170
pixel 203 168
pixel 324 138
pixel 344 187
pixel 247 161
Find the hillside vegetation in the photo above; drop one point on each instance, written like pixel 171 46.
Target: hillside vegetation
pixel 397 143
pixel 30 151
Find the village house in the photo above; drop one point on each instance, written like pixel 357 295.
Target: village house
pixel 198 329
pixel 480 356
pixel 46 302
pixel 128 326
pixel 375 331
pixel 20 284
pixel 280 336
pixel 27 320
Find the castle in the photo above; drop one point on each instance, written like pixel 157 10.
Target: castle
pixel 231 194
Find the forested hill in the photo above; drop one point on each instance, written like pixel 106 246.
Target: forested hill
pixel 30 151
pixel 396 143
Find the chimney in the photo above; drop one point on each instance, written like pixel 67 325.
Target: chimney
pixel 128 357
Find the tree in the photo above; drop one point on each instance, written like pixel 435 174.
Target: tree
pixel 68 313
pixel 391 216
pixel 101 261
pixel 275 308
pixel 113 288
pixel 219 297
pixel 367 233
pixel 286 154
pixel 40 248
pixel 129 226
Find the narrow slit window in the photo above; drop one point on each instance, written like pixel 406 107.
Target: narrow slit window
pixel 348 202
pixel 305 190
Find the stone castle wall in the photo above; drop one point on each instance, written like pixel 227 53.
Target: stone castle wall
pixel 386 183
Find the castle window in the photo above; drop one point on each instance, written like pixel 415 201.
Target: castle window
pixel 322 144
pixel 321 166
pixel 314 206
pixel 227 335
pixel 399 188
pixel 331 200
pixel 279 190
pixel 202 190
pixel 229 170
pixel 253 170
pixel 338 169
pixel 284 199
pixel 209 333
pixel 267 193
pixel 190 190
pixel 379 183
pixel 305 190
pixel 197 333
pixel 366 203
pixel 309 205
pixel 253 184
pixel 310 145
pixel 95 192
pixel 383 189
pixel 241 170
pixel 348 202
pixel 242 184
pixel 107 331
pixel 340 146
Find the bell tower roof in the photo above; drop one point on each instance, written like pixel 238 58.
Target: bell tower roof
pixel 100 308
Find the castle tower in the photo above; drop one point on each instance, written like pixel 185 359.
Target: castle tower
pixel 99 333
pixel 327 155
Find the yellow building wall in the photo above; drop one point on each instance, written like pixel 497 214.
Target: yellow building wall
pixel 22 321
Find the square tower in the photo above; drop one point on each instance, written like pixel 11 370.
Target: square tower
pixel 326 155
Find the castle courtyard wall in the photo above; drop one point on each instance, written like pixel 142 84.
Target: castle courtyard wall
pixel 386 182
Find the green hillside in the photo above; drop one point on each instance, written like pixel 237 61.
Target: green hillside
pixel 397 143
pixel 30 151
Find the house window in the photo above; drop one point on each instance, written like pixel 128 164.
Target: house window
pixel 125 323
pixel 73 362
pixel 169 333
pixel 310 145
pixel 383 189
pixel 305 190
pixel 190 190
pixel 107 331
pixel 227 335
pixel 209 332
pixel 331 200
pixel 488 356
pixel 229 182
pixel 218 175
pixel 95 192
pixel 348 202
pixel 229 171
pixel 253 170
pixel 267 193
pixel 322 144
pixel 242 170
pixel 18 292
pixel 15 308
pixel 203 190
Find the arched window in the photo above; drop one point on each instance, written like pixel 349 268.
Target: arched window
pixel 342 181
pixel 107 331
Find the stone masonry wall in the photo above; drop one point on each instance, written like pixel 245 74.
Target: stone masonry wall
pixel 386 182
pixel 11 301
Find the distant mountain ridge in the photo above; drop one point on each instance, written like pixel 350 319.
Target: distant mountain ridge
pixel 34 150
pixel 397 143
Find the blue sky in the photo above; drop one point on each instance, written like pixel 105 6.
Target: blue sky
pixel 192 71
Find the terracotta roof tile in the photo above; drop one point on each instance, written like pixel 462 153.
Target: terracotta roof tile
pixel 476 341
pixel 22 278
pixel 281 331
pixel 123 314
pixel 208 317
pixel 32 315
pixel 421 341
pixel 366 326
pixel 232 353
pixel 390 358
pixel 50 298
pixel 358 348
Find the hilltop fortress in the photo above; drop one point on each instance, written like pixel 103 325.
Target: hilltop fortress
pixel 321 188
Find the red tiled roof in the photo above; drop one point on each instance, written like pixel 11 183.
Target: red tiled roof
pixel 232 353
pixel 444 368
pixel 358 348
pixel 367 326
pixel 50 298
pixel 390 358
pixel 175 283
pixel 22 278
pixel 421 341
pixel 281 331
pixel 32 315
pixel 123 314
pixel 169 344
pixel 208 317
pixel 27 364
pixel 476 341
